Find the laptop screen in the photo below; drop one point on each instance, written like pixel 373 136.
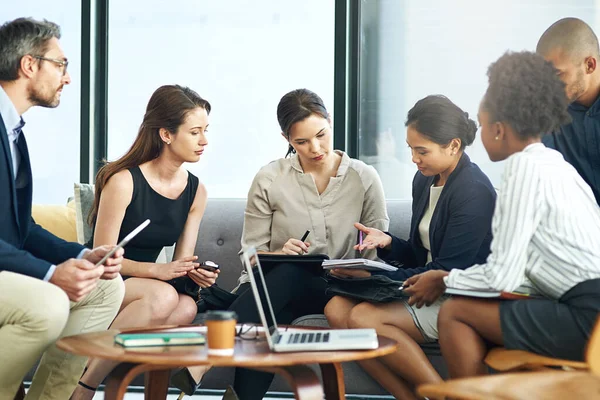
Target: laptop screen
pixel 250 261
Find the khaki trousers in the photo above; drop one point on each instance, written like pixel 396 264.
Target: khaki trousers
pixel 33 315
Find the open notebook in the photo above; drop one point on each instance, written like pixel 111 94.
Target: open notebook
pixel 358 263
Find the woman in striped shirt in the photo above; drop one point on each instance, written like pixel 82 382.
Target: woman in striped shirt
pixel 546 230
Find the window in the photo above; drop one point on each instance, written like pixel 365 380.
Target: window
pixel 240 56
pixel 411 48
pixel 53 135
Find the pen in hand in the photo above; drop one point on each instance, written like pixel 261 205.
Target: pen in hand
pixel 360 241
pixel 304 236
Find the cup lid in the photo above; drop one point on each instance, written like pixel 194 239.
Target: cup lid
pixel 218 315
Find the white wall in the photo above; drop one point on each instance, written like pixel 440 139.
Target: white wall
pixel 445 47
pixel 242 56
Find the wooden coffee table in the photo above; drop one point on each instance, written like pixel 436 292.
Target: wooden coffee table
pixel 156 362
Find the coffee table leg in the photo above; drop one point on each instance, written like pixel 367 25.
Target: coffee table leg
pixel 303 380
pixel 117 381
pixel 156 381
pixel 156 385
pixel 333 381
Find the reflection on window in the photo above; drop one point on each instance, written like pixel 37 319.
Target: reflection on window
pixel 411 48
pixel 240 58
pixel 53 134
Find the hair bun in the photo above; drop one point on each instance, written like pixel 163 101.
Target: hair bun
pixel 471 130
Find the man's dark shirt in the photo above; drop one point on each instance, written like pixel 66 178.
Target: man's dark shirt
pixel 579 143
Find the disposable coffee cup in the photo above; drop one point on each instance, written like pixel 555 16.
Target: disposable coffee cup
pixel 220 335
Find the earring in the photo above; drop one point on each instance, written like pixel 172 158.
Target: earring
pixel 169 142
pixel 497 137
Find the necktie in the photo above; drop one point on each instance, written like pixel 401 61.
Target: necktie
pixel 22 176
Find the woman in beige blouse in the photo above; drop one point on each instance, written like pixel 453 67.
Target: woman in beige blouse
pixel 314 188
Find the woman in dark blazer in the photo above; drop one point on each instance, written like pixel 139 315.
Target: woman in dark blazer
pixel 453 203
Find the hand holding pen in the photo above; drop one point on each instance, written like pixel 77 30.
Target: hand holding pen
pixel 296 246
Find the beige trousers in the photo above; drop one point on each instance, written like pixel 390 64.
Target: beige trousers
pixel 33 315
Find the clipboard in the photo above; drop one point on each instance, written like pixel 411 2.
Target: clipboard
pixel 310 261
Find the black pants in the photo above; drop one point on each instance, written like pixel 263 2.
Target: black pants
pixel 294 291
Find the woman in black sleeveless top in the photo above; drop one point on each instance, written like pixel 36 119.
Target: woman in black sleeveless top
pixel 167 216
pixel 150 182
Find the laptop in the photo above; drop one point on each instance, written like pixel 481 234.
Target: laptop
pixel 280 340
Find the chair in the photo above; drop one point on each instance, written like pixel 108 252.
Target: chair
pixel 503 360
pixel 541 384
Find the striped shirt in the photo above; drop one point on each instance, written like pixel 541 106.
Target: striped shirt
pixel 546 228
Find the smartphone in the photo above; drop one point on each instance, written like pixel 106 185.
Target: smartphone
pixel 209 266
pixel 124 242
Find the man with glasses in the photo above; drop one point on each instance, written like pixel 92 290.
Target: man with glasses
pixel 40 273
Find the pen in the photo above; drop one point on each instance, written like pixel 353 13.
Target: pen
pixel 304 236
pixel 360 241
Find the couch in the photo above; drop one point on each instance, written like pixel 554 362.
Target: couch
pixel 219 241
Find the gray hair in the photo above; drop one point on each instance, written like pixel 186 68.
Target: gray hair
pixel 21 37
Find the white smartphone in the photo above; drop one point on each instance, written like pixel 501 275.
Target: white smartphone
pixel 124 242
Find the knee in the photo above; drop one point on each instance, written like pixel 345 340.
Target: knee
pixel 359 316
pixel 334 312
pixel 162 301
pixel 49 316
pixel 114 292
pixel 449 312
pixel 188 309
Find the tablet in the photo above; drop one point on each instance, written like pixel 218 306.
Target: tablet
pixel 124 242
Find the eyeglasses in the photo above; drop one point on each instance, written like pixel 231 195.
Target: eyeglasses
pixel 62 63
pixel 247 332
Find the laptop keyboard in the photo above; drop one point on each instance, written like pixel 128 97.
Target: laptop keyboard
pixel 311 337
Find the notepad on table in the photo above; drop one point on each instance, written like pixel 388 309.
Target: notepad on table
pixel 159 339
pixel 358 263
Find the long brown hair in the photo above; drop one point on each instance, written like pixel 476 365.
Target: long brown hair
pixel 168 108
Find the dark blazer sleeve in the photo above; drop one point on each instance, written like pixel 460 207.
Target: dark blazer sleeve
pixel 43 244
pixel 21 261
pixel 401 252
pixel 468 227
